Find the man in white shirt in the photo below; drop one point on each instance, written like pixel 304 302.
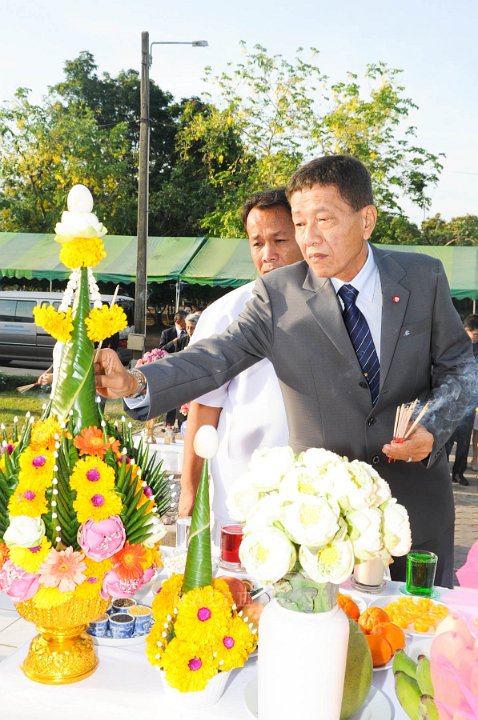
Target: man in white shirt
pixel 248 410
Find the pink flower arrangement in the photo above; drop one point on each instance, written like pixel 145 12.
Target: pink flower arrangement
pixel 18 584
pixel 101 540
pixel 151 356
pixel 63 569
pixel 184 409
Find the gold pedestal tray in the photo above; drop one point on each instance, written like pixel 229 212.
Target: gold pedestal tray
pixel 62 652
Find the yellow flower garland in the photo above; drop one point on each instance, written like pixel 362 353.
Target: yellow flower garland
pixel 57 324
pixel 82 252
pixel 103 322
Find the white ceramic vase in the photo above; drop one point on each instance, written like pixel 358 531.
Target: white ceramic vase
pixel 301 666
pixel 200 698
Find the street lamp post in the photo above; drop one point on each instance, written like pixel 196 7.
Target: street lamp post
pixel 143 188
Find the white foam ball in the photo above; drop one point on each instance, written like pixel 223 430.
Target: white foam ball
pixel 206 441
pixel 80 199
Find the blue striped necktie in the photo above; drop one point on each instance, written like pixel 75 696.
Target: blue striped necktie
pixel 361 338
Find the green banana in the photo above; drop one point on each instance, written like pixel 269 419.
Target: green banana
pixel 408 694
pixel 423 676
pixel 427 710
pixel 404 663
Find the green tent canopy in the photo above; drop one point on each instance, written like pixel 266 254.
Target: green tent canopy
pixel 223 262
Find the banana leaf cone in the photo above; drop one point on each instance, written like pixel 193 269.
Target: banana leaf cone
pixel 75 385
pixel 198 571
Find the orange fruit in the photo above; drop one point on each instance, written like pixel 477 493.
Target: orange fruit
pixel 371 617
pixel 392 633
pixel 349 607
pixel 380 648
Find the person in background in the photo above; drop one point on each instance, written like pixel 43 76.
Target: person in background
pixel 248 411
pixel 300 318
pixel 463 433
pixel 175 346
pixel 178 330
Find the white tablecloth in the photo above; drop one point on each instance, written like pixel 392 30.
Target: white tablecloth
pixel 171 454
pixel 126 687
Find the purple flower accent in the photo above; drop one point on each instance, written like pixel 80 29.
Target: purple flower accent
pixel 148 491
pixel 228 642
pixel 124 457
pixel 35 549
pixel 39 461
pixel 29 495
pixel 195 664
pixel 92 580
pixel 93 475
pixel 98 500
pixel 204 614
pixel 9 448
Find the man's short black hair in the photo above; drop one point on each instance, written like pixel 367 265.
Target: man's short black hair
pixel 346 173
pixel 471 322
pixel 180 315
pixel 272 197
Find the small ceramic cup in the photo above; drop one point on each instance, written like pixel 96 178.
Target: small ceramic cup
pixel 121 625
pixel 142 619
pixel 99 627
pixel 122 605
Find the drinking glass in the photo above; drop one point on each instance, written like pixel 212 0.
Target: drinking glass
pixel 421 569
pixel 231 538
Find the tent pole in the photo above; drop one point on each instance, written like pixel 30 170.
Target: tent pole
pixel 178 293
pixel 474 306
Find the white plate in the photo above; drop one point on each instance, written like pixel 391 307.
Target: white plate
pixel 410 630
pixel 119 642
pixel 376 706
pixel 358 599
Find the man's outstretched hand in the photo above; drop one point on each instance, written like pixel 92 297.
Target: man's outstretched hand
pixel 112 378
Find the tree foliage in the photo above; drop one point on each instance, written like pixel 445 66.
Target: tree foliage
pixel 283 113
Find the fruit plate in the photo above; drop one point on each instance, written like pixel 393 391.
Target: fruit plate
pixel 358 600
pixel 376 706
pixel 385 600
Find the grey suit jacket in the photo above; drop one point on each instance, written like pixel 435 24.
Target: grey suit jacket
pixel 294 319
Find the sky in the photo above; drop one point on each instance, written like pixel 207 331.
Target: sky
pixel 432 41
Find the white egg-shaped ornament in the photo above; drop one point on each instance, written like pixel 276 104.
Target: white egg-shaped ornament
pixel 206 441
pixel 80 199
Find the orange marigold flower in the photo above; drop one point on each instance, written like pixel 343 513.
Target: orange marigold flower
pixel 91 442
pixel 3 554
pixel 130 561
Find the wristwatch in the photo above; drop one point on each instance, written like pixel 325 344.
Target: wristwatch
pixel 141 381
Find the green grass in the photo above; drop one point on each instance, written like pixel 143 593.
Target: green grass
pixel 13 403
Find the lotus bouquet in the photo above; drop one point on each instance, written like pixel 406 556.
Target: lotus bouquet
pixel 79 503
pixel 198 632
pixel 317 513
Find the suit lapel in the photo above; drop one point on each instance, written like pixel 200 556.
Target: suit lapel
pixel 395 297
pixel 325 307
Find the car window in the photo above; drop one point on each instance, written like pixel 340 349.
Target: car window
pixel 7 310
pixel 24 311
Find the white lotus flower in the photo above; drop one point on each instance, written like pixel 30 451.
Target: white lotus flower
pixel 24 531
pixel 265 513
pixel 157 530
pixel 334 563
pixel 310 521
pixel 268 467
pixel 397 536
pixel 300 481
pixel 242 498
pixel 267 554
pixel 79 224
pixel 365 532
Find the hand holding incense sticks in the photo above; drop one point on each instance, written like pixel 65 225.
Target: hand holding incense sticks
pixel 403 426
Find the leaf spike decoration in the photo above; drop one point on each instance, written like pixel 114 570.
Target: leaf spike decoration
pixel 198 571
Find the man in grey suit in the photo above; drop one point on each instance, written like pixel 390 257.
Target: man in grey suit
pixel 302 318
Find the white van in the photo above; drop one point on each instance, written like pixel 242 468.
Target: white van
pixel 22 340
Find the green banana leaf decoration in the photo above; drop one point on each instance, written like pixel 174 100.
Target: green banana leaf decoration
pixel 198 571
pixel 75 386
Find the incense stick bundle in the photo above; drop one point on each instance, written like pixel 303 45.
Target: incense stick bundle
pixel 402 428
pixel 24 388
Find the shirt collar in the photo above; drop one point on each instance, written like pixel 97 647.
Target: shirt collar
pixel 363 281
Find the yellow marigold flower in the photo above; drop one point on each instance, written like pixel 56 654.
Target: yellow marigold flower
pixel 95 572
pixel 105 321
pixel 236 645
pixel 167 597
pixel 36 468
pixel 223 587
pixel 92 473
pixel 203 613
pixel 28 499
pixel 97 506
pixel 57 324
pixel 30 559
pixel 43 434
pixel 155 644
pixel 188 666
pixel 46 598
pixel 82 252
